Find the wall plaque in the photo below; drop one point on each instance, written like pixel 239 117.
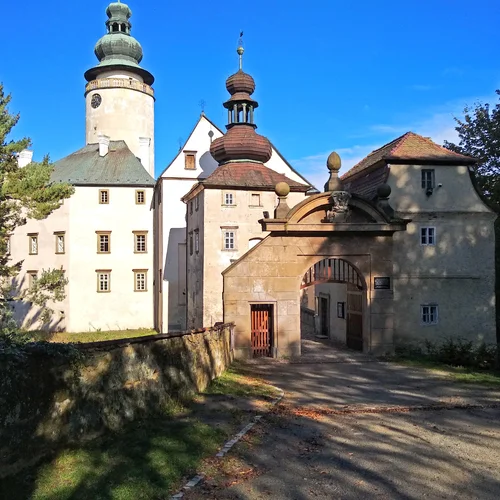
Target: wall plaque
pixel 382 283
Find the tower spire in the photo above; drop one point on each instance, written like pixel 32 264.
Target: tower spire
pixel 240 51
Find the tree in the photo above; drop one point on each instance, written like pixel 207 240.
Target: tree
pixel 24 193
pixel 479 134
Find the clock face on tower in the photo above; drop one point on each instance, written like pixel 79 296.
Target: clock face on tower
pixel 96 101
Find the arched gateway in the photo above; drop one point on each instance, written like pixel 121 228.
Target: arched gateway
pixel 262 289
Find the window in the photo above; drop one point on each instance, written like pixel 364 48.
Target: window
pixel 429 314
pixel 7 245
pixel 228 199
pixel 197 203
pixel 427 236
pixel 191 243
pixel 255 200
pixel 428 179
pixel 103 280
pixel 140 241
pixel 191 207
pixel 33 242
pixel 32 277
pixel 196 240
pixel 229 240
pixel 140 280
pixel 103 241
pixel 60 248
pixel 190 160
pixel 140 197
pixel 103 196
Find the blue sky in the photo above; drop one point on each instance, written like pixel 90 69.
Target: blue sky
pixel 330 75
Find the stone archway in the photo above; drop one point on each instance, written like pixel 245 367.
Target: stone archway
pixel 272 272
pixel 333 302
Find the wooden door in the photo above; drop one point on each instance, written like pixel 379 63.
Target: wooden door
pixel 354 334
pixel 261 326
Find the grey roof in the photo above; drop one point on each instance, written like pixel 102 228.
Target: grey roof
pixel 118 168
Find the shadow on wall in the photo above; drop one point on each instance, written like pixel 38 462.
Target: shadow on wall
pixel 51 396
pixel 28 316
pixel 174 275
pixel 207 164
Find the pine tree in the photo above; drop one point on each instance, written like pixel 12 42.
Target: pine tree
pixel 24 193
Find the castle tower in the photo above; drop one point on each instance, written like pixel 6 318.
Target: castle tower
pixel 119 100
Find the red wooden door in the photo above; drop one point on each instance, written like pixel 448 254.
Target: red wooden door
pixel 261 326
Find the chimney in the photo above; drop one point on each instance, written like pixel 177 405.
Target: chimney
pixel 144 151
pixel 24 158
pixel 103 145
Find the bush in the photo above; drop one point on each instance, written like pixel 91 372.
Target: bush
pixel 453 352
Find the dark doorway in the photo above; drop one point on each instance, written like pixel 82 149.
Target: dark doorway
pixel 262 329
pixel 324 311
pixel 354 333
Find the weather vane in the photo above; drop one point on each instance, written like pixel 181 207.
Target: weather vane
pixel 240 49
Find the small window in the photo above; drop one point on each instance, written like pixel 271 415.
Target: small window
pixel 191 207
pixel 140 241
pixel 7 245
pixel 255 200
pixel 103 196
pixel 32 277
pixel 229 240
pixel 428 179
pixel 140 280
pixel 60 243
pixel 228 199
pixel 429 314
pixel 428 236
pixel 33 243
pixel 140 197
pixel 196 241
pixel 191 243
pixel 190 160
pixel 103 280
pixel 103 241
pixel 197 203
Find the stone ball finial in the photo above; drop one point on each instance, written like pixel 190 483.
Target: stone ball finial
pixel 384 191
pixel 240 50
pixel 282 189
pixel 333 163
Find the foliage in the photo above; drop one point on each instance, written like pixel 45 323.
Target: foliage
pixel 24 193
pixel 86 337
pixel 453 352
pixel 479 134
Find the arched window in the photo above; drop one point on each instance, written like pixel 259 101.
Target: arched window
pixel 115 27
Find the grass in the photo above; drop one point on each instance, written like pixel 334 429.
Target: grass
pixel 234 382
pixel 456 374
pixel 94 336
pixel 149 460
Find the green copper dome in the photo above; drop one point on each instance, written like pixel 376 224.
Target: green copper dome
pixel 117 49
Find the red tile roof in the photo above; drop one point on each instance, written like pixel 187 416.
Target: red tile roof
pixel 409 147
pixel 249 175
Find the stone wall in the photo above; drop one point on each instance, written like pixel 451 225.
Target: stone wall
pixel 45 400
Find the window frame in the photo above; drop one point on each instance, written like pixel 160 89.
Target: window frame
pixel 190 242
pixel 225 196
pixel 197 240
pixel 140 192
pixel 424 181
pixel 99 235
pixel 189 154
pixel 136 273
pixel 33 237
pixel 427 236
pixel 252 204
pixel 136 235
pixel 103 272
pixel 225 232
pixel 101 193
pixel 197 202
pixel 429 314
pixel 8 244
pixel 32 277
pixel 60 234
